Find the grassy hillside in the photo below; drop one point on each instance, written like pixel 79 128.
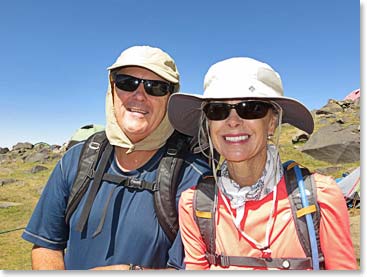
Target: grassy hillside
pixel 15 252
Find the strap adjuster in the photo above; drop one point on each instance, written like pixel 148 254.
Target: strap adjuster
pixel 172 151
pixel 212 259
pixel 134 183
pixel 94 145
pixel 216 259
pixel 223 260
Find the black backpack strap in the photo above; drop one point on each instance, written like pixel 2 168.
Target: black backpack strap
pixel 168 175
pixel 280 263
pixel 130 182
pixel 95 187
pixel 299 212
pixel 204 205
pixel 91 152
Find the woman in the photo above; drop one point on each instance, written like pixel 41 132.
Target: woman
pixel 241 108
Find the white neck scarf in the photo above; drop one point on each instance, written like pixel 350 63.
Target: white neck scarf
pixel 264 185
pixel 238 196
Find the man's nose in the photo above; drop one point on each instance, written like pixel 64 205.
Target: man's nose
pixel 140 91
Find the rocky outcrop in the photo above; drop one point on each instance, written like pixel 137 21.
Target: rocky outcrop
pixel 22 146
pixel 5 181
pixel 337 139
pixel 29 153
pixel 38 168
pixel 4 150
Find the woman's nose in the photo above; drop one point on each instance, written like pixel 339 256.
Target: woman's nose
pixel 233 119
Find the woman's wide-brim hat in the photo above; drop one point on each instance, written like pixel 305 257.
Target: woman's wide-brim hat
pixel 237 78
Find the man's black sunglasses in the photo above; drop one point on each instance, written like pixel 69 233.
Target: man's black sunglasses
pixel 152 87
pixel 247 109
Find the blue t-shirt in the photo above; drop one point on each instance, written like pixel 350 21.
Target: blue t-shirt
pixel 131 233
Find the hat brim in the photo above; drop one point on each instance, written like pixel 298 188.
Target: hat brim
pixel 184 112
pixel 156 69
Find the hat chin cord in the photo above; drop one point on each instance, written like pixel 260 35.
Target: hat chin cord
pixel 205 134
pixel 277 137
pixel 211 147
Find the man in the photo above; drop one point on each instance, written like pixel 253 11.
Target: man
pixel 121 228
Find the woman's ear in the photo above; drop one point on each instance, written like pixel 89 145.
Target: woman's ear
pixel 273 123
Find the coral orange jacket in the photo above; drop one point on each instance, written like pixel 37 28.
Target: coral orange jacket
pixel 335 235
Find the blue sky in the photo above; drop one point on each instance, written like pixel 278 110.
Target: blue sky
pixel 54 54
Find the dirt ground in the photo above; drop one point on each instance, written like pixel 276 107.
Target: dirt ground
pixel 355 229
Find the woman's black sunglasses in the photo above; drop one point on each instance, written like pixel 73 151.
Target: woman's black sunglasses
pixel 152 87
pixel 247 109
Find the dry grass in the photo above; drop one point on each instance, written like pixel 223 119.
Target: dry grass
pixel 355 229
pixel 15 252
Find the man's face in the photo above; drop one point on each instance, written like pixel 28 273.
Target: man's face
pixel 138 113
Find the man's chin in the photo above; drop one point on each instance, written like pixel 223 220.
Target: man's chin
pixel 136 134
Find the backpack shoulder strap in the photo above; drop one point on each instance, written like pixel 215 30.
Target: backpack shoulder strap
pixel 88 160
pixel 300 211
pixel 204 203
pixel 168 176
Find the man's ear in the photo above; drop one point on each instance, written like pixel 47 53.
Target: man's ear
pixel 112 86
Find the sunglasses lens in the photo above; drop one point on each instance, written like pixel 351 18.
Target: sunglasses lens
pixel 245 110
pixel 156 88
pixel 126 82
pixel 252 109
pixel 216 111
pixel 152 87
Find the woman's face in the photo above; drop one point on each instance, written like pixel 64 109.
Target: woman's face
pixel 238 139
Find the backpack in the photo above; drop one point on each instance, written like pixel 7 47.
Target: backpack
pixel 299 181
pixel 93 161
